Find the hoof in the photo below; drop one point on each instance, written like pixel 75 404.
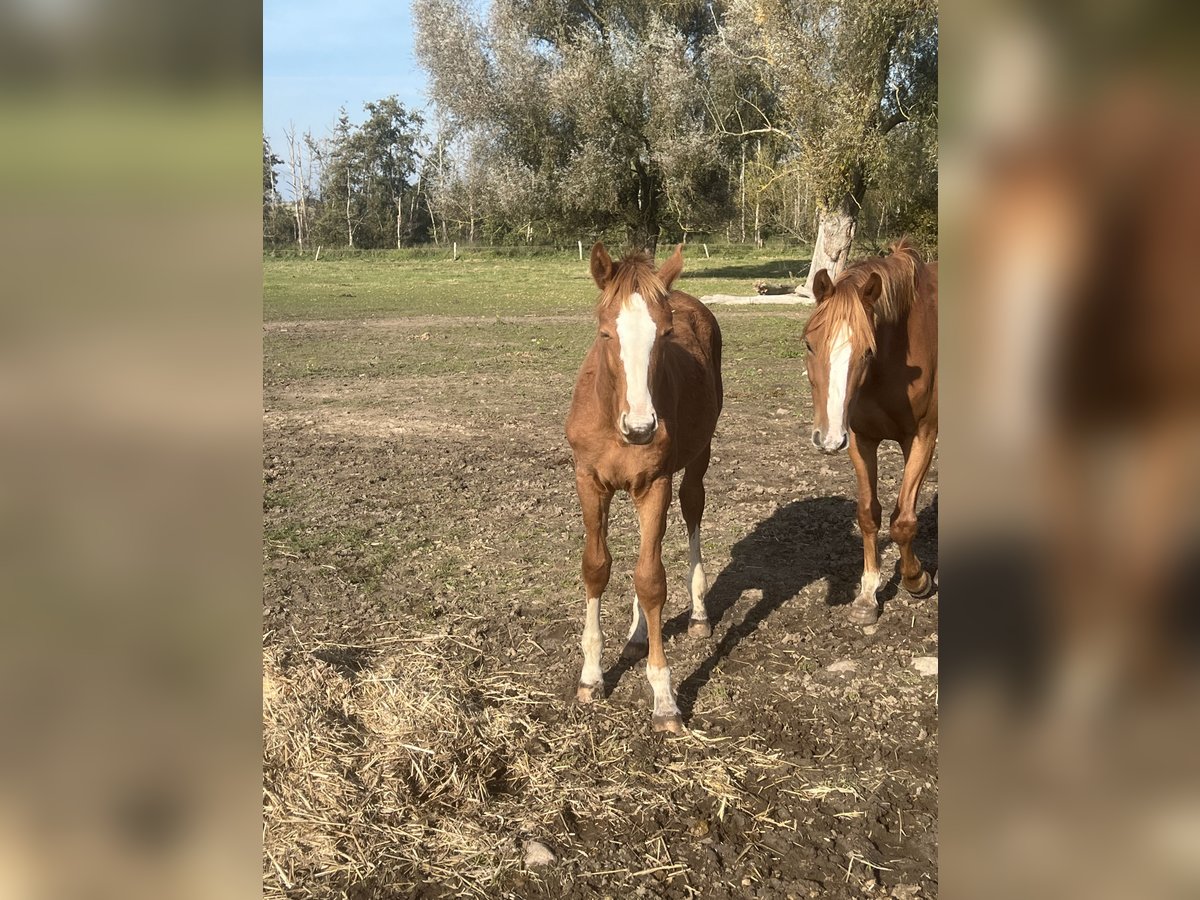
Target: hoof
pixel 699 628
pixel 586 693
pixel 926 587
pixel 672 723
pixel 864 611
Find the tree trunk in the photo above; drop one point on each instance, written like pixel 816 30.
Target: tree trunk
pixel 349 224
pixel 835 232
pixel 641 228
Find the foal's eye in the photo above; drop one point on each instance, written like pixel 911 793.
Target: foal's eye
pixel 667 332
pixel 808 346
pixel 869 353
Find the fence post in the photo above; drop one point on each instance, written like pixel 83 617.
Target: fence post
pixel 706 256
pixel 580 243
pixel 456 251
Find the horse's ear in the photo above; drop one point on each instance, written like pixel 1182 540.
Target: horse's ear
pixel 602 265
pixel 822 286
pixel 670 270
pixel 872 290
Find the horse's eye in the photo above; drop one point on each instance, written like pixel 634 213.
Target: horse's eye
pixel 808 346
pixel 869 353
pixel 667 332
pixel 606 335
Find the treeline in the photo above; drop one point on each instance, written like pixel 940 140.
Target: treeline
pixel 558 120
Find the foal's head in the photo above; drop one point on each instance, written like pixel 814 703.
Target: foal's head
pixel 634 322
pixel 840 341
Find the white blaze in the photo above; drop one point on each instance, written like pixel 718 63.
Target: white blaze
pixel 839 374
pixel 636 331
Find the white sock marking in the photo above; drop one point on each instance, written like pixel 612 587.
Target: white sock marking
pixel 660 683
pixel 697 583
pixel 868 586
pixel 592 643
pixel 839 374
pixel 637 331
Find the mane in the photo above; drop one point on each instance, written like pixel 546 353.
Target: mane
pixel 634 274
pixel 897 271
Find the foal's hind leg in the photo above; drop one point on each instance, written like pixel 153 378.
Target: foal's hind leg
pixel 917 457
pixel 597 563
pixel 691 502
pixel 864 454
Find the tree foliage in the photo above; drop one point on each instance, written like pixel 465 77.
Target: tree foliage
pixel 585 115
pixel 557 120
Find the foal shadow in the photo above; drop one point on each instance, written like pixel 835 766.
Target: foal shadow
pixel 803 542
pixel 806 541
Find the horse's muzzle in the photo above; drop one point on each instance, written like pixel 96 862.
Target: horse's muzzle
pixel 640 434
pixel 822 442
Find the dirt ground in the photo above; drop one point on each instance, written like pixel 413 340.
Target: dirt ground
pixel 437 498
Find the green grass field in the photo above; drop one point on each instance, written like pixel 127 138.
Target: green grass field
pixel 486 283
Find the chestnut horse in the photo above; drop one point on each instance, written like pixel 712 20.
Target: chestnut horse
pixel 645 406
pixel 872 364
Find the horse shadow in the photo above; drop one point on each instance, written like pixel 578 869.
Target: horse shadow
pixel 801 543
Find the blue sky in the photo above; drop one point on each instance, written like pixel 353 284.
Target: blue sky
pixel 319 56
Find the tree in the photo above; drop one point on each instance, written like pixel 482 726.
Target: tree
pixel 365 171
pixel 270 191
pixel 591 114
pixel 839 76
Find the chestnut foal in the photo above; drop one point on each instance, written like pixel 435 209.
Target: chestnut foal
pixel 645 406
pixel 872 365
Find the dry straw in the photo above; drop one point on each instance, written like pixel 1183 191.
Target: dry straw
pixel 408 763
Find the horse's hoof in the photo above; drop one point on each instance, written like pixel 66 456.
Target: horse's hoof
pixel 864 611
pixel 589 692
pixel 672 722
pixel 699 628
pixel 927 587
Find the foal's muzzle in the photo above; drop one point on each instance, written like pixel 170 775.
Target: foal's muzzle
pixel 829 443
pixel 638 432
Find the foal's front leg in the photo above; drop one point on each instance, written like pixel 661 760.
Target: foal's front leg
pixel 595 499
pixel 864 454
pixel 650 580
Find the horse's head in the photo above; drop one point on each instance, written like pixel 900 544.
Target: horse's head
pixel 634 318
pixel 840 341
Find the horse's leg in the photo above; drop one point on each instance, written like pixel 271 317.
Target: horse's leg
pixel 650 580
pixel 864 455
pixel 691 502
pixel 597 563
pixel 918 454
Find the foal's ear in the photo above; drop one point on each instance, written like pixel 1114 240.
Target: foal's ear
pixel 670 270
pixel 872 290
pixel 822 286
pixel 602 265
